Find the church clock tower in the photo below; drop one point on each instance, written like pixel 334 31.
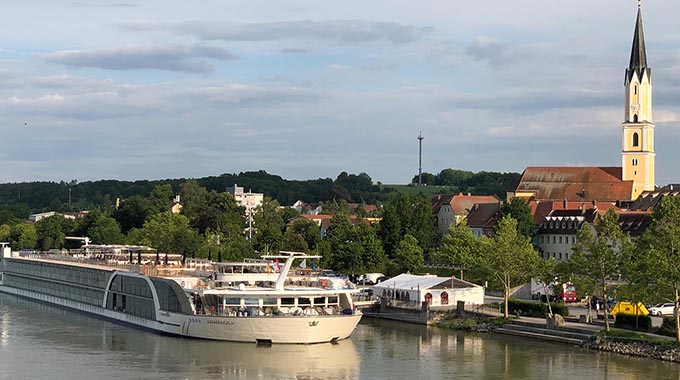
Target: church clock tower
pixel 637 155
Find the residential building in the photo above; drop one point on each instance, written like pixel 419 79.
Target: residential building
pixel 452 208
pixel 482 219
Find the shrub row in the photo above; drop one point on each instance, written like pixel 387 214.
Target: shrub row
pixel 534 309
pixel 629 321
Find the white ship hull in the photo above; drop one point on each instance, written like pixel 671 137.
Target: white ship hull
pixel 276 330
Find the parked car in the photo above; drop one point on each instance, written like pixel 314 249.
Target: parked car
pixel 660 309
pixel 371 278
pixel 595 300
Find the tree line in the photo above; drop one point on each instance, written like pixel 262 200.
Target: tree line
pixel 212 223
pixel 21 199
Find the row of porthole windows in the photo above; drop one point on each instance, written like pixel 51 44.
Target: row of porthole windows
pixel 557 239
pixel 555 255
pixel 65 291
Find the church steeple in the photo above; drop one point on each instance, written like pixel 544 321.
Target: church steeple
pixel 637 148
pixel 638 54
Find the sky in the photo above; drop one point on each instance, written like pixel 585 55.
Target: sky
pixel 128 89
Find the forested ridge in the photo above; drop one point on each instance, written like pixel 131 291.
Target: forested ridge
pixel 28 197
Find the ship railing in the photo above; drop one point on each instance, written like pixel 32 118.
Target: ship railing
pixel 235 311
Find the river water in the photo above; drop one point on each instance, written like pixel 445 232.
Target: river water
pixel 41 342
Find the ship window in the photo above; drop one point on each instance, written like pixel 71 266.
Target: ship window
pixel 233 301
pixel 636 139
pixel 304 302
pixel 252 301
pixel 333 300
pixel 319 301
pixel 269 301
pixel 287 301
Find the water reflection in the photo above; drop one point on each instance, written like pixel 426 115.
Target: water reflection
pixel 39 341
pixel 413 351
pixel 104 346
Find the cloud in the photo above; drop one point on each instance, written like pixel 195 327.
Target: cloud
pixel 493 51
pixel 338 31
pixel 191 59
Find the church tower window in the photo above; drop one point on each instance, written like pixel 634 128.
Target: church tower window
pixel 636 138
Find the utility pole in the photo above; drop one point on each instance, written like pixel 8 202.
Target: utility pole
pixel 420 158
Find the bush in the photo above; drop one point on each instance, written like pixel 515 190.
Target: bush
pixel 533 309
pixel 667 327
pixel 628 321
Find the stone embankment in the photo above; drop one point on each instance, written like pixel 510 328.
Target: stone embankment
pixel 638 348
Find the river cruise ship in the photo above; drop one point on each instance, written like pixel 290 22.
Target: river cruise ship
pixel 273 300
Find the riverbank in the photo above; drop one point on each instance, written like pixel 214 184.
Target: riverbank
pixel 619 341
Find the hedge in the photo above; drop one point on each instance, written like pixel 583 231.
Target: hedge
pixel 627 321
pixel 668 327
pixel 535 309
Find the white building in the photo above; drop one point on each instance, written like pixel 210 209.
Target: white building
pixel 248 200
pixel 437 291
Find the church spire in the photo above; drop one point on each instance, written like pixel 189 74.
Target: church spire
pixel 638 53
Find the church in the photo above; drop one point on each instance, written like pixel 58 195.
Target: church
pixel 608 184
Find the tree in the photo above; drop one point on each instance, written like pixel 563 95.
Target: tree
pixel 460 247
pixel 404 214
pixel 597 254
pixel 170 233
pixel 160 197
pixel 23 236
pixel 5 231
pixel 546 273
pixel 372 256
pixel 508 257
pixel 292 241
pixel 50 232
pixel 339 248
pixel 269 225
pixel 133 212
pixel 100 228
pixel 409 255
pixel 309 231
pixel 653 265
pixel 520 211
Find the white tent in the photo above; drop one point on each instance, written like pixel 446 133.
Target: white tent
pixel 437 291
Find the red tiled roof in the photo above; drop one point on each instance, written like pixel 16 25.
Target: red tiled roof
pixel 460 204
pixel 541 208
pixel 483 214
pixel 601 184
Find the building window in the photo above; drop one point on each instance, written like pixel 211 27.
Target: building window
pixel 560 242
pixel 635 161
pixel 560 257
pixel 636 139
pixel 554 240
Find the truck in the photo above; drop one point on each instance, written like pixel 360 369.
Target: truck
pixel 560 292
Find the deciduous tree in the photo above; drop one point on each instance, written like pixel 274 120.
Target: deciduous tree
pixel 597 254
